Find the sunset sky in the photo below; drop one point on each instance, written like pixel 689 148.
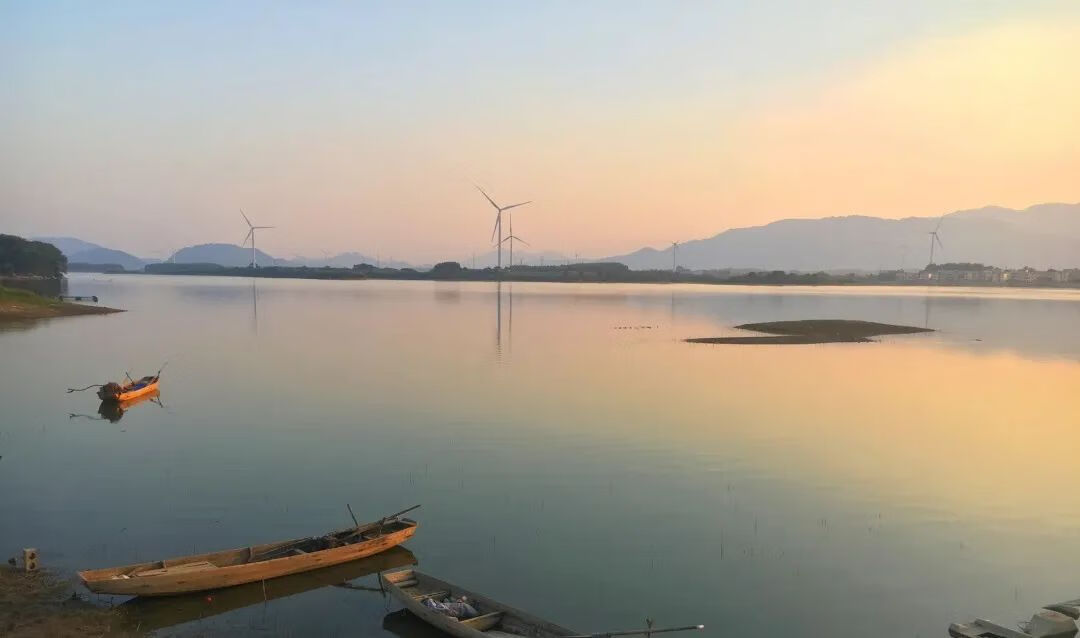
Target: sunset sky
pixel 362 126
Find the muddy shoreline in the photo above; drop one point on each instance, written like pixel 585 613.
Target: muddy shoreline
pixel 39 604
pixel 22 305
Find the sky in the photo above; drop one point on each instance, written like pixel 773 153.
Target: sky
pixel 364 126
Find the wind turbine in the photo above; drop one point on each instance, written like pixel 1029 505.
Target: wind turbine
pixel 498 221
pixel 934 238
pixel 512 238
pixel 674 257
pixel 251 234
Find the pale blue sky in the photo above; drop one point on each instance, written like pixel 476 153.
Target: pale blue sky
pixel 169 116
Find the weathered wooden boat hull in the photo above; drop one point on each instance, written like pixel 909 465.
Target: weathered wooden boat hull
pixel 494 615
pixel 238 566
pixel 160 612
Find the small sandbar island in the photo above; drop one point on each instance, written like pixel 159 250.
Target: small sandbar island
pixel 20 305
pixel 808 331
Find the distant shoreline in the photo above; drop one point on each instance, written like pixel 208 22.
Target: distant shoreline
pixel 574 273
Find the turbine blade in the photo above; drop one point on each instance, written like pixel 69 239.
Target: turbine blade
pixel 488 197
pixel 496 228
pixel 264 227
pixel 516 205
pixel 247 236
pixel 938 239
pixel 522 241
pixel 245 217
pixel 940 219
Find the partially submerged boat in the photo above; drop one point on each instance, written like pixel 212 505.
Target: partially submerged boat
pixel 413 588
pixel 249 564
pixel 117 392
pixel 1052 621
pixel 465 614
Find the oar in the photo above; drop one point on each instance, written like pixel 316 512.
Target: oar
pixel 96 385
pixel 640 632
pixel 355 522
pixel 397 514
pixel 393 516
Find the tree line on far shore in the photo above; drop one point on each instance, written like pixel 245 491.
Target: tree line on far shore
pixel 20 256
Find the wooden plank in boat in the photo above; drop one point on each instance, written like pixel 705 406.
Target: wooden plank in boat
pixel 484 622
pixel 178 569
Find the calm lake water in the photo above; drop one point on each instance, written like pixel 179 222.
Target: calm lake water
pixel 573 456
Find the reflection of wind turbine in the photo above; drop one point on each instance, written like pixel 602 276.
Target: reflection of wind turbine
pixel 934 238
pixel 498 221
pixel 498 320
pixel 251 235
pixel 254 308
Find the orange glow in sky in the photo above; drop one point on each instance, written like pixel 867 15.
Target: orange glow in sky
pixel 669 125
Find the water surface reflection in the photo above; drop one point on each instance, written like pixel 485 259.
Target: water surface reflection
pixel 875 489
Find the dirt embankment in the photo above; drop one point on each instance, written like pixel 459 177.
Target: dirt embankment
pixel 39 605
pixel 20 305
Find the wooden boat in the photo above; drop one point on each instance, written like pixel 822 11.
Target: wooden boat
pixel 249 564
pixel 113 391
pixel 412 587
pixel 114 410
pixel 161 612
pixel 1052 621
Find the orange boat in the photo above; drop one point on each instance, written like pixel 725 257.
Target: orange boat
pixel 114 410
pixel 131 390
pixel 250 564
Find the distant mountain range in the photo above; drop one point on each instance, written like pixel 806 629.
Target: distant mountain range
pixel 1042 236
pixel 239 256
pixel 79 251
pixel 222 254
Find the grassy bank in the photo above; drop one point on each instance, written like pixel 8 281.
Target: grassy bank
pixel 18 304
pixel 813 331
pixel 39 604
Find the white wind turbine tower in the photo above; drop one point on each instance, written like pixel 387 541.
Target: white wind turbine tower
pixel 512 238
pixel 498 221
pixel 674 257
pixel 251 235
pixel 934 238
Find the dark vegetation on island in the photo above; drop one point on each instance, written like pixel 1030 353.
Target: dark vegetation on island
pixel 809 331
pixel 31 280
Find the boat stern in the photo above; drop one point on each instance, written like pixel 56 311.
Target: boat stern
pixel 393 578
